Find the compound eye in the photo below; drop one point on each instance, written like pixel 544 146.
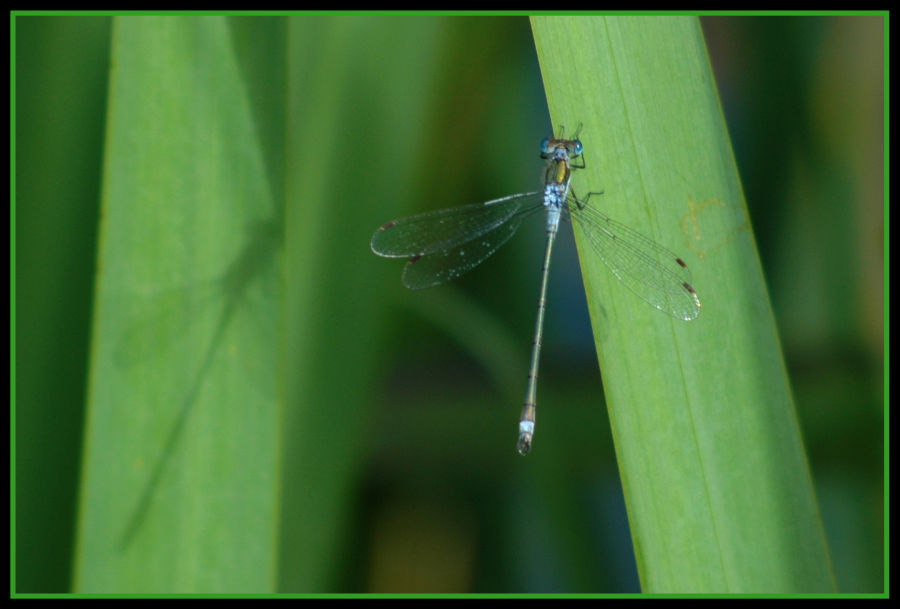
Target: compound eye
pixel 579 148
pixel 545 145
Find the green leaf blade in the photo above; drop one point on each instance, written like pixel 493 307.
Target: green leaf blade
pixel 180 479
pixel 710 454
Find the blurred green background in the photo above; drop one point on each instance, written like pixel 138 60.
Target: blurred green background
pixel 417 483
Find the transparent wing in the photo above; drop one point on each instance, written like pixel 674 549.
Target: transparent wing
pixel 648 269
pixel 446 229
pixel 443 265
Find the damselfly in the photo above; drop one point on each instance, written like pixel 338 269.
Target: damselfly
pixel 442 245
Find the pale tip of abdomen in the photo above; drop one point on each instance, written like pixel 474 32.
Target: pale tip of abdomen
pixel 526 434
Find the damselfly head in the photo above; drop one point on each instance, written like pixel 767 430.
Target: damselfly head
pixel 557 146
pixel 560 148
